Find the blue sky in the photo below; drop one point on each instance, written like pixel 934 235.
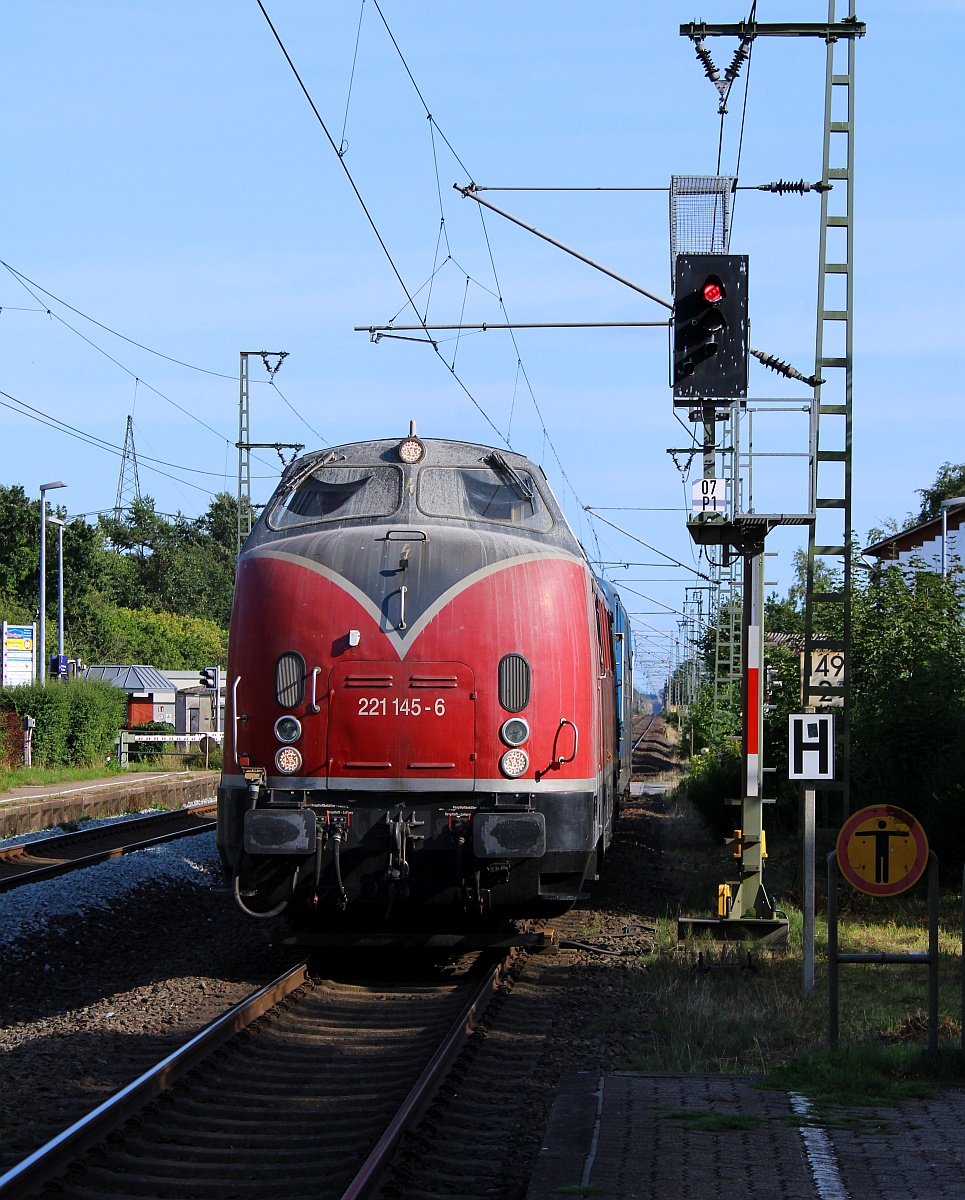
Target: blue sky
pixel 165 176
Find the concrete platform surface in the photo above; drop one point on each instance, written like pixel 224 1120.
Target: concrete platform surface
pixel 45 790
pixel 26 809
pixel 634 1136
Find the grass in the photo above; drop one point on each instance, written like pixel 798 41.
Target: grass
pixel 707 1008
pixel 12 777
pixel 712 1121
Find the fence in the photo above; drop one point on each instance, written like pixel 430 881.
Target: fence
pixel 204 741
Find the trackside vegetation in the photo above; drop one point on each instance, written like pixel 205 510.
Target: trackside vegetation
pixel 77 721
pixel 906 675
pixel 147 588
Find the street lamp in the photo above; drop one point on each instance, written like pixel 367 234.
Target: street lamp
pixel 42 656
pixel 953 502
pixel 60 587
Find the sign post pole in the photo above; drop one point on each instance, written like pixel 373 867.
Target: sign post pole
pixel 810 759
pixel 807 904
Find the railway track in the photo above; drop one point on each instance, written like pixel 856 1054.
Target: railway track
pixel 303 1090
pixel 42 859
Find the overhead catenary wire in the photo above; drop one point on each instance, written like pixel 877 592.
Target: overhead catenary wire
pixel 21 278
pixel 27 284
pixel 116 362
pixel 25 410
pixel 520 369
pixel 368 215
pixel 30 410
pixel 593 513
pixel 343 145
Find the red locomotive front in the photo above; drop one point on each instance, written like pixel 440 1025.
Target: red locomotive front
pixel 421 720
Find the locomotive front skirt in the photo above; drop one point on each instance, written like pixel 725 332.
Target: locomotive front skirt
pixel 429 695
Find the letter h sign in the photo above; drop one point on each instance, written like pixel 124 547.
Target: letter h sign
pixel 811 747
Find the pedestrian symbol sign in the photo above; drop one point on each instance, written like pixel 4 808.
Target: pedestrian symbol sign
pixel 882 850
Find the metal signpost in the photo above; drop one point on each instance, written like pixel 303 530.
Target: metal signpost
pixel 883 851
pixel 810 759
pixel 709 349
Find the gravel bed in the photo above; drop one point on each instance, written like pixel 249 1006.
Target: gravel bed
pixel 106 970
pixel 565 1012
pixel 40 835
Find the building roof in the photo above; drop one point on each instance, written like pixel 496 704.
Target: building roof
pixel 914 538
pixel 131 678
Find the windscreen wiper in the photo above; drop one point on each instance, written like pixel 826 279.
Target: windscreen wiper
pixel 502 468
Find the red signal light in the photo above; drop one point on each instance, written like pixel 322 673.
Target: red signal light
pixel 713 291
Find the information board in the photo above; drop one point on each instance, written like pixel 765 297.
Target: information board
pixel 18 650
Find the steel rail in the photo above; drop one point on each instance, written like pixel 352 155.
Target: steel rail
pixel 11 855
pixel 644 734
pixel 56 1156
pixel 370 1175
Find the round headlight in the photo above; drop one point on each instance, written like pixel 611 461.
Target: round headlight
pixel 288 760
pixel 513 763
pixel 288 729
pixel 411 450
pixel 515 731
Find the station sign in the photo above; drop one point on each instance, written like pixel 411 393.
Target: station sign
pixel 882 850
pixel 18 649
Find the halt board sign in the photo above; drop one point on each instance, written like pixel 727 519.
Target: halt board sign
pixel 882 850
pixel 810 747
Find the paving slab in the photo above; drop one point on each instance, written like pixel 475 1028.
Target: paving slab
pixel 640 1136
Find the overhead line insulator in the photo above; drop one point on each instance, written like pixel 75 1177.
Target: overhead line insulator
pixel 740 56
pixel 783 187
pixel 708 63
pixel 785 369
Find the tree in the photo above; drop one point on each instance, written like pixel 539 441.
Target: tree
pixel 949 482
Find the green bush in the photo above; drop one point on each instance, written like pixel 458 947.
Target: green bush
pixel 713 777
pixel 77 722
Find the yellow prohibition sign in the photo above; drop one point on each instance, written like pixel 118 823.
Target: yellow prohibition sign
pixel 882 850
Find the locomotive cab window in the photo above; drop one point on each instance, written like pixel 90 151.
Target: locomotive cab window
pixel 338 493
pixel 485 493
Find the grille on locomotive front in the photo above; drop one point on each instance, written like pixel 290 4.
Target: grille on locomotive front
pixel 514 682
pixel 290 679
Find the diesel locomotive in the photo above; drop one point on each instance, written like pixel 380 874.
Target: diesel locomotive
pixel 429 696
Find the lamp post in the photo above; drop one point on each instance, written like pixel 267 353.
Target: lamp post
pixel 42 656
pixel 953 502
pixel 60 586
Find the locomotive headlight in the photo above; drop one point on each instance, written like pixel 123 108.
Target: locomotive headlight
pixel 411 450
pixel 288 760
pixel 514 762
pixel 288 729
pixel 514 732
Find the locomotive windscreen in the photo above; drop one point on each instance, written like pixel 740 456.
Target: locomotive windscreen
pixel 482 493
pixel 330 493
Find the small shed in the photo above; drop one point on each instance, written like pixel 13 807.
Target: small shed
pixel 150 695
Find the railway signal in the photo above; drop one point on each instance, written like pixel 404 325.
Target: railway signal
pixel 209 678
pixel 710 327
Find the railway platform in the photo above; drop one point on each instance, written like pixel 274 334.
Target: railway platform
pixel 26 809
pixel 635 1136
